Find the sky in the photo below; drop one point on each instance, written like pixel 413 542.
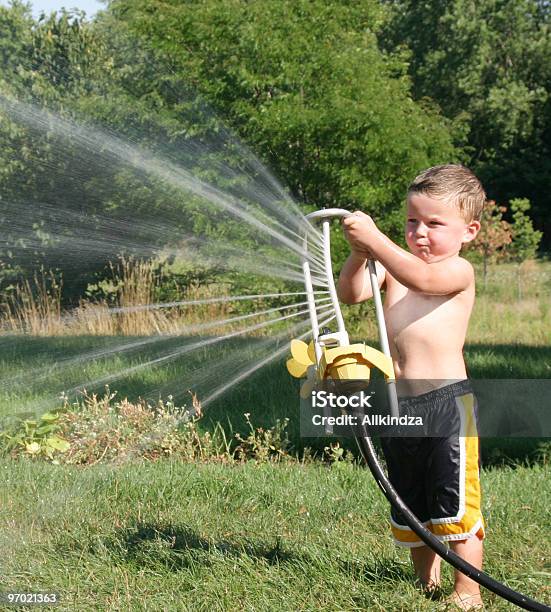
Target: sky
pixel 90 6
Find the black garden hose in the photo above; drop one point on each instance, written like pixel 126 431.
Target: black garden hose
pixel 369 454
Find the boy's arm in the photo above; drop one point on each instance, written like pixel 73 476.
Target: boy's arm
pixel 354 284
pixel 440 278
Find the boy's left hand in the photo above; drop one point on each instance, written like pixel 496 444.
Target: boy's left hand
pixel 359 230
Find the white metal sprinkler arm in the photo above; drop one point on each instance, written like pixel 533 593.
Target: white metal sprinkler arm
pixel 324 216
pixel 331 281
pixel 341 336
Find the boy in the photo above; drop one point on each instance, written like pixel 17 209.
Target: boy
pixel 429 297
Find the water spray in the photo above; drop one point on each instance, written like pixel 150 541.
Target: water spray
pixel 330 356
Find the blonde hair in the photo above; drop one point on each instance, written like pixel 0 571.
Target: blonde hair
pixel 454 184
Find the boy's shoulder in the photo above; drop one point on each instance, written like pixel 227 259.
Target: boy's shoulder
pixel 456 264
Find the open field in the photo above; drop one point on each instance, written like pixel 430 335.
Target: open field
pixel 500 315
pixel 253 536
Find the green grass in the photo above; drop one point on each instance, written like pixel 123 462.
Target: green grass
pixel 171 536
pixel 34 371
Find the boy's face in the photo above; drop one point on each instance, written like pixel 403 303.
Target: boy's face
pixel 436 230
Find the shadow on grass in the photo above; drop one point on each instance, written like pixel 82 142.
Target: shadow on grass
pixel 179 547
pixel 377 571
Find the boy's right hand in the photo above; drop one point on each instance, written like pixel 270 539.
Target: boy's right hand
pixel 358 249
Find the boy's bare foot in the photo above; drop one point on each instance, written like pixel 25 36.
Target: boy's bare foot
pixel 431 590
pixel 465 601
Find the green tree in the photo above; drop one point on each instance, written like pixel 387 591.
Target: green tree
pixel 525 240
pixel 66 203
pixel 59 62
pixel 487 65
pixel 15 33
pixel 305 84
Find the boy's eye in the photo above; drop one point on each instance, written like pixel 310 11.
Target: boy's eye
pixel 412 220
pixel 435 223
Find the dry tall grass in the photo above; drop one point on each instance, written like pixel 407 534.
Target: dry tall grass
pixel 35 307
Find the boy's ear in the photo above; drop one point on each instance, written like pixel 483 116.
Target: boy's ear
pixel 471 230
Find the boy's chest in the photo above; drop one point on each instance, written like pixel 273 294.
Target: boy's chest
pixel 415 314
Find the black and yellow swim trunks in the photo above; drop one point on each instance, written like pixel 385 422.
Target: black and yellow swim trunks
pixel 438 476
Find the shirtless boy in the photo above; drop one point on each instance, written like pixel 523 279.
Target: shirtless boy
pixel 428 301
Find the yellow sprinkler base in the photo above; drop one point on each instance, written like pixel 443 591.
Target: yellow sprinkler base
pixel 352 362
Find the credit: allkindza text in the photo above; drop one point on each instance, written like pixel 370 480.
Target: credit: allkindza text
pixel 324 399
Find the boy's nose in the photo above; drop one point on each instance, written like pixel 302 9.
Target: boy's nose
pixel 421 229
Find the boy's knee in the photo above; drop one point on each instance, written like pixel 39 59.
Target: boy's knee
pixel 470 550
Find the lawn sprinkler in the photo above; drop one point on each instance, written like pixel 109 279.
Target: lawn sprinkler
pixel 331 357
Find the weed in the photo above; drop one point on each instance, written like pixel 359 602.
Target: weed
pixel 271 444
pixel 335 454
pixel 101 429
pixel 36 438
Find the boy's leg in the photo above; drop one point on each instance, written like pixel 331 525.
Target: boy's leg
pixel 427 566
pixel 456 499
pixel 466 591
